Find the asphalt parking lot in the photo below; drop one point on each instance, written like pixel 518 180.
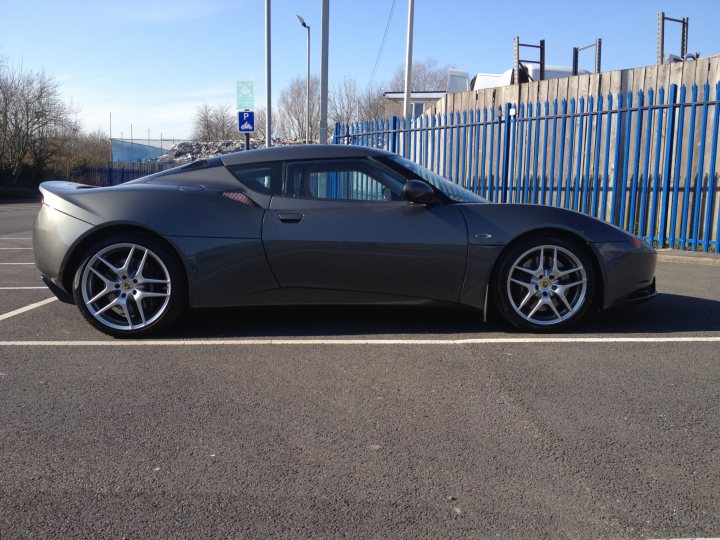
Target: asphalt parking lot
pixel 374 422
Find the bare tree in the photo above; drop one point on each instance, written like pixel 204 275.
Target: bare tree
pixel 31 110
pixel 224 122
pixel 347 103
pixel 344 102
pixel 261 124
pixel 292 105
pixel 373 103
pixel 426 75
pixel 213 123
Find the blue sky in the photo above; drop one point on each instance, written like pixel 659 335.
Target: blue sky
pixel 151 63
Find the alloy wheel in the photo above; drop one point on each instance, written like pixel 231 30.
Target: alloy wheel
pixel 547 285
pixel 126 286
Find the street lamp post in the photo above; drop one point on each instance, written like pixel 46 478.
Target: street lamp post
pixel 307 120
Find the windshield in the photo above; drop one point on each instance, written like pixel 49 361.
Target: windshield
pixel 447 188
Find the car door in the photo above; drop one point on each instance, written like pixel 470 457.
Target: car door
pixel 341 224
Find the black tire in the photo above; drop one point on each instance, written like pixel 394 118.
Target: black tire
pixel 130 286
pixel 530 296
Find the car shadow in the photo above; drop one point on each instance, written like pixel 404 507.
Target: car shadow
pixel 666 314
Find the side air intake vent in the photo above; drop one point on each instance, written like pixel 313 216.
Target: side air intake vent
pixel 238 197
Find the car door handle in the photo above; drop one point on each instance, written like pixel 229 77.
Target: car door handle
pixel 290 217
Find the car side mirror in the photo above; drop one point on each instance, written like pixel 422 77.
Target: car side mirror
pixel 418 192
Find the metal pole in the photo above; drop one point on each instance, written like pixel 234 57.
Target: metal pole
pixel 307 120
pixel 684 37
pixel 516 59
pixel 575 61
pixel 324 70
pixel 268 94
pixel 598 54
pixel 408 58
pixel 542 59
pixel 660 37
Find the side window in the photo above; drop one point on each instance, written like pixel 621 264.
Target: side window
pixel 254 176
pixel 342 180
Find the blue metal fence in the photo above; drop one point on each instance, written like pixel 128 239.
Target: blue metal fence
pixel 118 173
pixel 645 160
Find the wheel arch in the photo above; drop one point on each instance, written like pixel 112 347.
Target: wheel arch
pixel 568 235
pixel 74 258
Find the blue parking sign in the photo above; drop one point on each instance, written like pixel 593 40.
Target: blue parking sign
pixel 246 121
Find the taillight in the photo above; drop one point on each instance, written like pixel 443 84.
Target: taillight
pixel 238 197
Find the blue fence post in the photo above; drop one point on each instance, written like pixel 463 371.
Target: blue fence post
pixel 588 147
pixel 393 134
pixel 656 166
pixel 536 152
pixel 712 181
pixel 596 164
pixel 669 133
pixel 688 170
pixel 606 169
pixel 646 165
pixel 551 183
pixel 626 162
pixel 481 178
pixel 578 155
pixel 570 154
pixel 620 124
pixel 488 179
pixel 543 166
pixel 636 164
pixel 701 163
pixel 676 176
pixel 517 179
pixel 509 157
pixel 529 123
pixel 561 160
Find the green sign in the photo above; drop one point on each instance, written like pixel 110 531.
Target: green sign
pixel 245 95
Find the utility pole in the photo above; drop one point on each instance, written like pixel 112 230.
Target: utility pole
pixel 324 70
pixel 408 58
pixel 268 95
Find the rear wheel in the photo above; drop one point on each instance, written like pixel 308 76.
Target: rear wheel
pixel 129 286
pixel 545 284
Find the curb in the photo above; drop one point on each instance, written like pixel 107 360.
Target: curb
pixel 687 258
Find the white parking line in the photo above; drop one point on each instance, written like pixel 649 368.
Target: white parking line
pixel 13 264
pixel 26 308
pixel 15 248
pixel 20 288
pixel 246 342
pixel 1 238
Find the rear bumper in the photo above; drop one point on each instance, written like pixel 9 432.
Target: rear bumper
pixel 60 293
pixel 54 236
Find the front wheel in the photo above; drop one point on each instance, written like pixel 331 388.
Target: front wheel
pixel 544 284
pixel 129 286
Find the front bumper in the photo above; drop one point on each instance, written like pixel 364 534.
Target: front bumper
pixel 628 271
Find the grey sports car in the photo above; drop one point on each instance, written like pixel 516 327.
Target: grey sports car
pixel 323 225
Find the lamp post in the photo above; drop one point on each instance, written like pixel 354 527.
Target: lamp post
pixel 307 121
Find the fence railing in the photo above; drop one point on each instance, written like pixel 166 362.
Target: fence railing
pixel 117 173
pixel 645 161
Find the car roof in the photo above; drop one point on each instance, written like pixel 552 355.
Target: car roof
pixel 303 151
